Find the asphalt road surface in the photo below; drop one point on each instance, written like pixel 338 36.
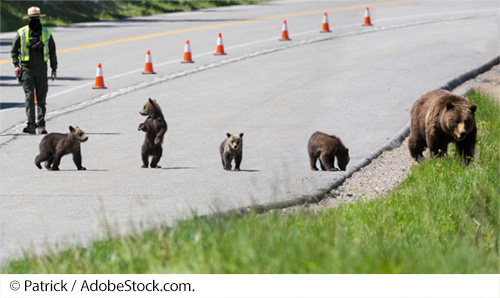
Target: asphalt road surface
pixel 356 82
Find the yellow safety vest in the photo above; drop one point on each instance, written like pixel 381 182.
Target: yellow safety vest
pixel 24 34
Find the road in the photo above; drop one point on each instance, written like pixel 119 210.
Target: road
pixel 357 82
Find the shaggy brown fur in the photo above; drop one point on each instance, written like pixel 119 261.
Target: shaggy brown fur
pixel 438 118
pixel 55 145
pixel 232 148
pixel 155 127
pixel 326 148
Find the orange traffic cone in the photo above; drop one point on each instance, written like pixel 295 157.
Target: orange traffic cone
pixel 284 32
pixel 99 80
pixel 220 46
pixel 148 67
pixel 325 28
pixel 187 53
pixel 36 101
pixel 367 22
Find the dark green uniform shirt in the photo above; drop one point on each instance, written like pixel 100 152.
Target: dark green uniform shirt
pixel 36 59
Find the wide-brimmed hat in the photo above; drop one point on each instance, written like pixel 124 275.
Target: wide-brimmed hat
pixel 34 12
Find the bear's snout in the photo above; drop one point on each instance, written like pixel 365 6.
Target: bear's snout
pixel 235 145
pixel 459 133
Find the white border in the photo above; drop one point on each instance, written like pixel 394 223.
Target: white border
pixel 258 285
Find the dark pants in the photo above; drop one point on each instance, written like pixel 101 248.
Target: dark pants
pixel 35 80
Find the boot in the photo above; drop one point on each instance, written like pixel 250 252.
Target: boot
pixel 31 129
pixel 41 130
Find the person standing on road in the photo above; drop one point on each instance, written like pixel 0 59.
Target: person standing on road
pixel 32 48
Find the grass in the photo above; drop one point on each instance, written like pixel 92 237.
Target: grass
pixel 429 224
pixel 60 13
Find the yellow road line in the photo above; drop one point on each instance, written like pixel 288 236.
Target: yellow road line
pixel 225 24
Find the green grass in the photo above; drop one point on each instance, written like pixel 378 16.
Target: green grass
pixel 426 225
pixel 60 13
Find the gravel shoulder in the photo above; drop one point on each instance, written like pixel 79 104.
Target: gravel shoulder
pixel 388 170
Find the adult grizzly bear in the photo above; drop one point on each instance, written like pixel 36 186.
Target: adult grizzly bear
pixel 155 127
pixel 231 148
pixel 438 118
pixel 55 145
pixel 326 148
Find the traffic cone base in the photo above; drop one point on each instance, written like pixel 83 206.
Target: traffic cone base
pixel 284 37
pixel 148 66
pixel 187 53
pixel 284 32
pixel 99 80
pixel 325 29
pixel 187 59
pixel 99 84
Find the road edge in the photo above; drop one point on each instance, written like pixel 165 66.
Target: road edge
pixel 391 144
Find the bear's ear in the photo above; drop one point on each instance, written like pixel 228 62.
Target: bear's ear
pixel 473 108
pixel 241 135
pixel 228 135
pixel 449 105
pixel 71 129
pixel 151 101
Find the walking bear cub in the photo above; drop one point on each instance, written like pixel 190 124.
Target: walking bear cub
pixel 232 148
pixel 55 145
pixel 155 127
pixel 326 148
pixel 438 118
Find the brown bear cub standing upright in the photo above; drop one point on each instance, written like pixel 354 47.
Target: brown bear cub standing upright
pixel 155 127
pixel 232 148
pixel 326 148
pixel 438 118
pixel 55 145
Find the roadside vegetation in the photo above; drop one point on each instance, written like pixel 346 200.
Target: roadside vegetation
pixel 444 218
pixel 60 13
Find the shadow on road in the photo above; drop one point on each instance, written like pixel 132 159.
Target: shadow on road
pixel 179 168
pixel 103 133
pixel 75 170
pixel 10 105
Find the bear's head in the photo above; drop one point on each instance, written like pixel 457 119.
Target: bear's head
pixel 151 108
pixel 343 158
pixel 78 134
pixel 459 120
pixel 235 141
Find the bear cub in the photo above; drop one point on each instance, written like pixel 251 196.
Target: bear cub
pixel 155 128
pixel 438 118
pixel 232 148
pixel 326 148
pixel 55 145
